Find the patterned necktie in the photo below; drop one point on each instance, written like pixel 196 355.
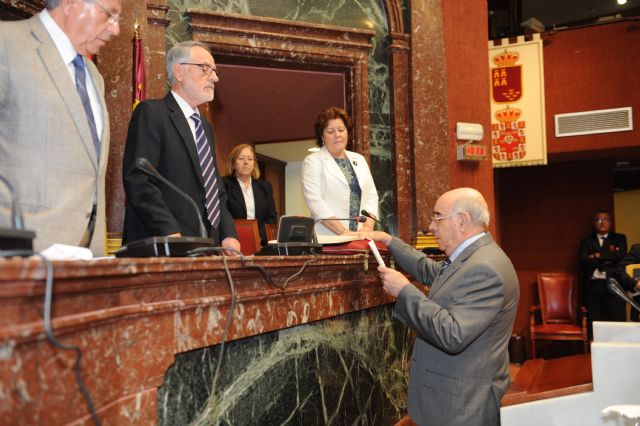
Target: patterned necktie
pixel 208 168
pixel 81 87
pixel 445 265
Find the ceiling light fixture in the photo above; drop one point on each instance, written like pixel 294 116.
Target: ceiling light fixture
pixel 622 1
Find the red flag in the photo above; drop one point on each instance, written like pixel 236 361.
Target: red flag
pixel 139 84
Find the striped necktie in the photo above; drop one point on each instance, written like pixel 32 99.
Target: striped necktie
pixel 446 263
pixel 208 168
pixel 81 87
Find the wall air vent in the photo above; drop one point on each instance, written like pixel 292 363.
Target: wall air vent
pixel 591 122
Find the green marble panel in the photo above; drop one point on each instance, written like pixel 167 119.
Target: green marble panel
pixel 346 370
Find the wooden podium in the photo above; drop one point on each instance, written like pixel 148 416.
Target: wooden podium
pixel 130 317
pixel 615 352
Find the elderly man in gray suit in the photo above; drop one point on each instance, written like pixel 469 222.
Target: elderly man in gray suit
pixel 460 366
pixel 54 127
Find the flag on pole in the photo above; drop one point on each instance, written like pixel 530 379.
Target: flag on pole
pixel 139 85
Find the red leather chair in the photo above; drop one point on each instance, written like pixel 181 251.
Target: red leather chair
pixel 248 235
pixel 558 308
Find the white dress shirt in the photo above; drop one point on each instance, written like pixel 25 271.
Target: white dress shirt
pixel 249 202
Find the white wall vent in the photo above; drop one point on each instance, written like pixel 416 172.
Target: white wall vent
pixel 591 122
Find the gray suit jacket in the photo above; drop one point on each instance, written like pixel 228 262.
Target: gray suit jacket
pixel 46 150
pixel 460 366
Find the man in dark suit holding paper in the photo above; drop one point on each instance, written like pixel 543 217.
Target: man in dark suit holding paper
pixel 460 365
pixel 179 143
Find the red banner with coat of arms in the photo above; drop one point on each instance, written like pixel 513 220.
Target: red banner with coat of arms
pixel 517 103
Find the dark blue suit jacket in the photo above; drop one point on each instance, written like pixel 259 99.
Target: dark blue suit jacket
pixel 159 132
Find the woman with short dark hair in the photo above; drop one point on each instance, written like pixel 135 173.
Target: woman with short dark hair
pixel 337 183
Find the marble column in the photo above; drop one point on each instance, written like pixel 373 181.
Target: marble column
pixel 115 62
pixel 450 71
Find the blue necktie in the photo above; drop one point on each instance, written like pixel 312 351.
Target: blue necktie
pixel 81 87
pixel 208 168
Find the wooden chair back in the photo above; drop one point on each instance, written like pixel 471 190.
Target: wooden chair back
pixel 248 235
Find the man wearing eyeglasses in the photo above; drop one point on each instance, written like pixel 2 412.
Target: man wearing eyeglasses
pixel 599 254
pixel 172 135
pixel 460 365
pixel 54 126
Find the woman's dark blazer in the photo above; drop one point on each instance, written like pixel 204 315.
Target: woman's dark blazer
pixel 262 198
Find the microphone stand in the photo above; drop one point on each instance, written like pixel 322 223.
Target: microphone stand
pixel 145 167
pixel 15 241
pixel 162 246
pixel 614 287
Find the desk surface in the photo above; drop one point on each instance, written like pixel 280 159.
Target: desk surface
pixel 541 379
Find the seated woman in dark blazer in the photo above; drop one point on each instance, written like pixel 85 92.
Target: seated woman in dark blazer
pixel 247 196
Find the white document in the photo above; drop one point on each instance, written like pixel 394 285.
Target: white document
pixel 376 253
pixel 66 252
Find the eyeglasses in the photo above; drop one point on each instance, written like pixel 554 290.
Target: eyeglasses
pixel 206 68
pixel 435 218
pixel 602 219
pixel 113 18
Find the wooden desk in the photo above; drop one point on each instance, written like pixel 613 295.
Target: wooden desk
pixel 130 317
pixel 541 379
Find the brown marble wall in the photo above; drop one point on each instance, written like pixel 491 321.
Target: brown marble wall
pixel 429 107
pixel 450 73
pixel 115 62
pixel 467 65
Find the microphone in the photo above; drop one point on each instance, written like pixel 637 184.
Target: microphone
pixel 370 216
pixel 614 287
pixel 16 213
pixel 15 241
pixel 144 166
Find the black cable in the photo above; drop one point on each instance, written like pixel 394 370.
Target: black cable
pixel 48 295
pixel 232 307
pixel 286 282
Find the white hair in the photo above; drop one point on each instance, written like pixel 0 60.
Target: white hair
pixel 471 201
